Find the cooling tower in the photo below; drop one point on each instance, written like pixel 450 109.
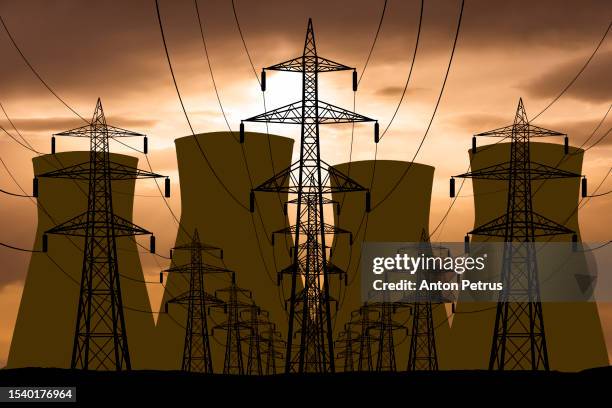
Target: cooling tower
pixel 402 217
pixel 225 221
pixel 44 331
pixel 573 330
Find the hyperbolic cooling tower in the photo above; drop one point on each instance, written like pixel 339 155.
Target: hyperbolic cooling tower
pixel 573 330
pixel 222 222
pixel 402 217
pixel 44 331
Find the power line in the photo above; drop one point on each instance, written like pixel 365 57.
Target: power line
pixel 25 59
pixel 577 75
pixel 18 248
pixel 460 19
pixel 163 36
pixel 416 47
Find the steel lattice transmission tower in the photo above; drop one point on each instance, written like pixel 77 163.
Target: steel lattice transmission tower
pixel 519 340
pixel 310 179
pixel 196 350
pixel 238 299
pixel 100 340
pixel 423 354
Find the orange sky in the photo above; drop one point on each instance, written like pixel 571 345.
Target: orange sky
pixel 112 49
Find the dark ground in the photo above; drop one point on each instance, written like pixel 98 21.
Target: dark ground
pixel 382 389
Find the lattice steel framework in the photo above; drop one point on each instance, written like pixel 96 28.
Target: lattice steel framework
pixel 196 350
pixel 423 353
pixel 310 178
pixel 519 340
pixel 100 340
pixel 236 299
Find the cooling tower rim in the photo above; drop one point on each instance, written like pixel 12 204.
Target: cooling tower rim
pixel 572 149
pixel 385 161
pixel 207 135
pixel 67 155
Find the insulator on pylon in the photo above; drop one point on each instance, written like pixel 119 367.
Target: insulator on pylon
pixel 35 187
pixel 45 243
pixel 338 208
pixel 161 277
pixel 152 244
pixel 376 132
pixel 241 132
pixel 466 244
pixel 473 144
pixel 252 202
pixel 351 238
pixel 368 202
pixel 285 209
pixel 166 307
pixel 263 80
pixel 279 277
pixel 272 242
pixel 145 145
pixel 452 187
pixel 584 187
pixel 331 252
pixel 52 144
pixel 566 145
pixel 574 242
pixel 167 187
pixel 221 253
pixel 171 253
pixel 346 279
pixel 355 82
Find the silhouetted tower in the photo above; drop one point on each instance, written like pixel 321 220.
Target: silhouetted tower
pixel 238 299
pixel 196 350
pixel 345 346
pixel 385 326
pixel 100 340
pixel 254 354
pixel 423 354
pixel 309 178
pixel 364 321
pixel 273 343
pixel 519 340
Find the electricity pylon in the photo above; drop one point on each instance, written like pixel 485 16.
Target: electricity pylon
pixel 310 178
pixel 100 340
pixel 238 299
pixel 423 354
pixel 519 340
pixel 196 350
pixel 345 346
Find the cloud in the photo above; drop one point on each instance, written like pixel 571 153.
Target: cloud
pixel 58 124
pixel 396 91
pixel 594 85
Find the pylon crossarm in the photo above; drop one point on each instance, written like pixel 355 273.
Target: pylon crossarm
pixel 508 131
pixel 187 298
pixel 332 269
pixel 339 182
pixel 297 64
pixel 78 226
pixel 544 172
pixel 116 171
pixel 495 172
pixel 291 113
pixel 329 113
pixel 189 268
pixel 283 182
pixel 542 227
pixel 110 131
